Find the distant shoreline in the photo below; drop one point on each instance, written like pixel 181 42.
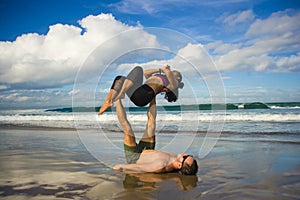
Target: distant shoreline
pixel 45 128
pixel 227 106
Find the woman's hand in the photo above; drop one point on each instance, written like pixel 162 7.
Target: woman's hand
pixel 173 83
pixel 167 67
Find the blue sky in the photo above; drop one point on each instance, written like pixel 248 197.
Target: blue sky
pixel 255 46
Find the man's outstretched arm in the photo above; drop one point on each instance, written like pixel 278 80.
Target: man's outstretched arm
pixel 146 167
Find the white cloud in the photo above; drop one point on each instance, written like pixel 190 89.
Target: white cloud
pixel 270 44
pixel 292 62
pixel 278 23
pixel 238 18
pixel 34 98
pixel 135 7
pixel 186 60
pixel 52 60
pixel 154 6
pixel 36 61
pixel 73 92
pixel 221 48
pixel 149 6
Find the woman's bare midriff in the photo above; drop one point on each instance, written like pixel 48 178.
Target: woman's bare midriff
pixel 155 83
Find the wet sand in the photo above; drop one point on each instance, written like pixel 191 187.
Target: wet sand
pixel 42 163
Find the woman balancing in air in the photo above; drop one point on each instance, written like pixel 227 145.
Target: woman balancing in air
pixel 158 81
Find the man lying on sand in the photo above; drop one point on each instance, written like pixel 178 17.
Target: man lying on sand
pixel 142 157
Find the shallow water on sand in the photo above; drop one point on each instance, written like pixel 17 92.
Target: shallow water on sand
pixel 41 163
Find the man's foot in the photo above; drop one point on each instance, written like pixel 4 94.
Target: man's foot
pixel 104 107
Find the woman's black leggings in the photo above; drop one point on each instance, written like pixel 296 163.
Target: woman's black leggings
pixel 139 94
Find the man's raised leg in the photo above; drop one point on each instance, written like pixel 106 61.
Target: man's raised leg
pixel 129 137
pixel 149 134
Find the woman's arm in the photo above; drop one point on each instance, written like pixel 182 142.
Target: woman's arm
pixel 173 83
pixel 149 72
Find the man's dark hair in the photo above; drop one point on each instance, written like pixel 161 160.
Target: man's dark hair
pixel 189 169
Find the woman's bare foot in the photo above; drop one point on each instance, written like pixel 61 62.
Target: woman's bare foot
pixel 104 107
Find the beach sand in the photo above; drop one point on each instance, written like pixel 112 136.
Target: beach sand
pixel 43 163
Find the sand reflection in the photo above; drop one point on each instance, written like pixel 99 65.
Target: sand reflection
pixel 150 180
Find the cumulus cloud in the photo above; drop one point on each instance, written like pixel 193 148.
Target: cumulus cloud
pixel 38 98
pixel 188 59
pixel 270 44
pixel 278 23
pixel 36 61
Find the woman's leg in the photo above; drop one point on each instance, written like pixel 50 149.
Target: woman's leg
pixel 133 80
pixel 113 92
pixel 108 102
pixel 127 85
pixel 121 86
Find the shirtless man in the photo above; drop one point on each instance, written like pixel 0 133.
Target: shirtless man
pixel 142 157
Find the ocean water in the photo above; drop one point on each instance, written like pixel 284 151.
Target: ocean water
pixel 272 118
pixel 256 157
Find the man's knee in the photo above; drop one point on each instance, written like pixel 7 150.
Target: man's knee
pixel 129 139
pixel 149 139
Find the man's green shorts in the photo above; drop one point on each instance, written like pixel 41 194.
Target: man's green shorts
pixel 132 153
